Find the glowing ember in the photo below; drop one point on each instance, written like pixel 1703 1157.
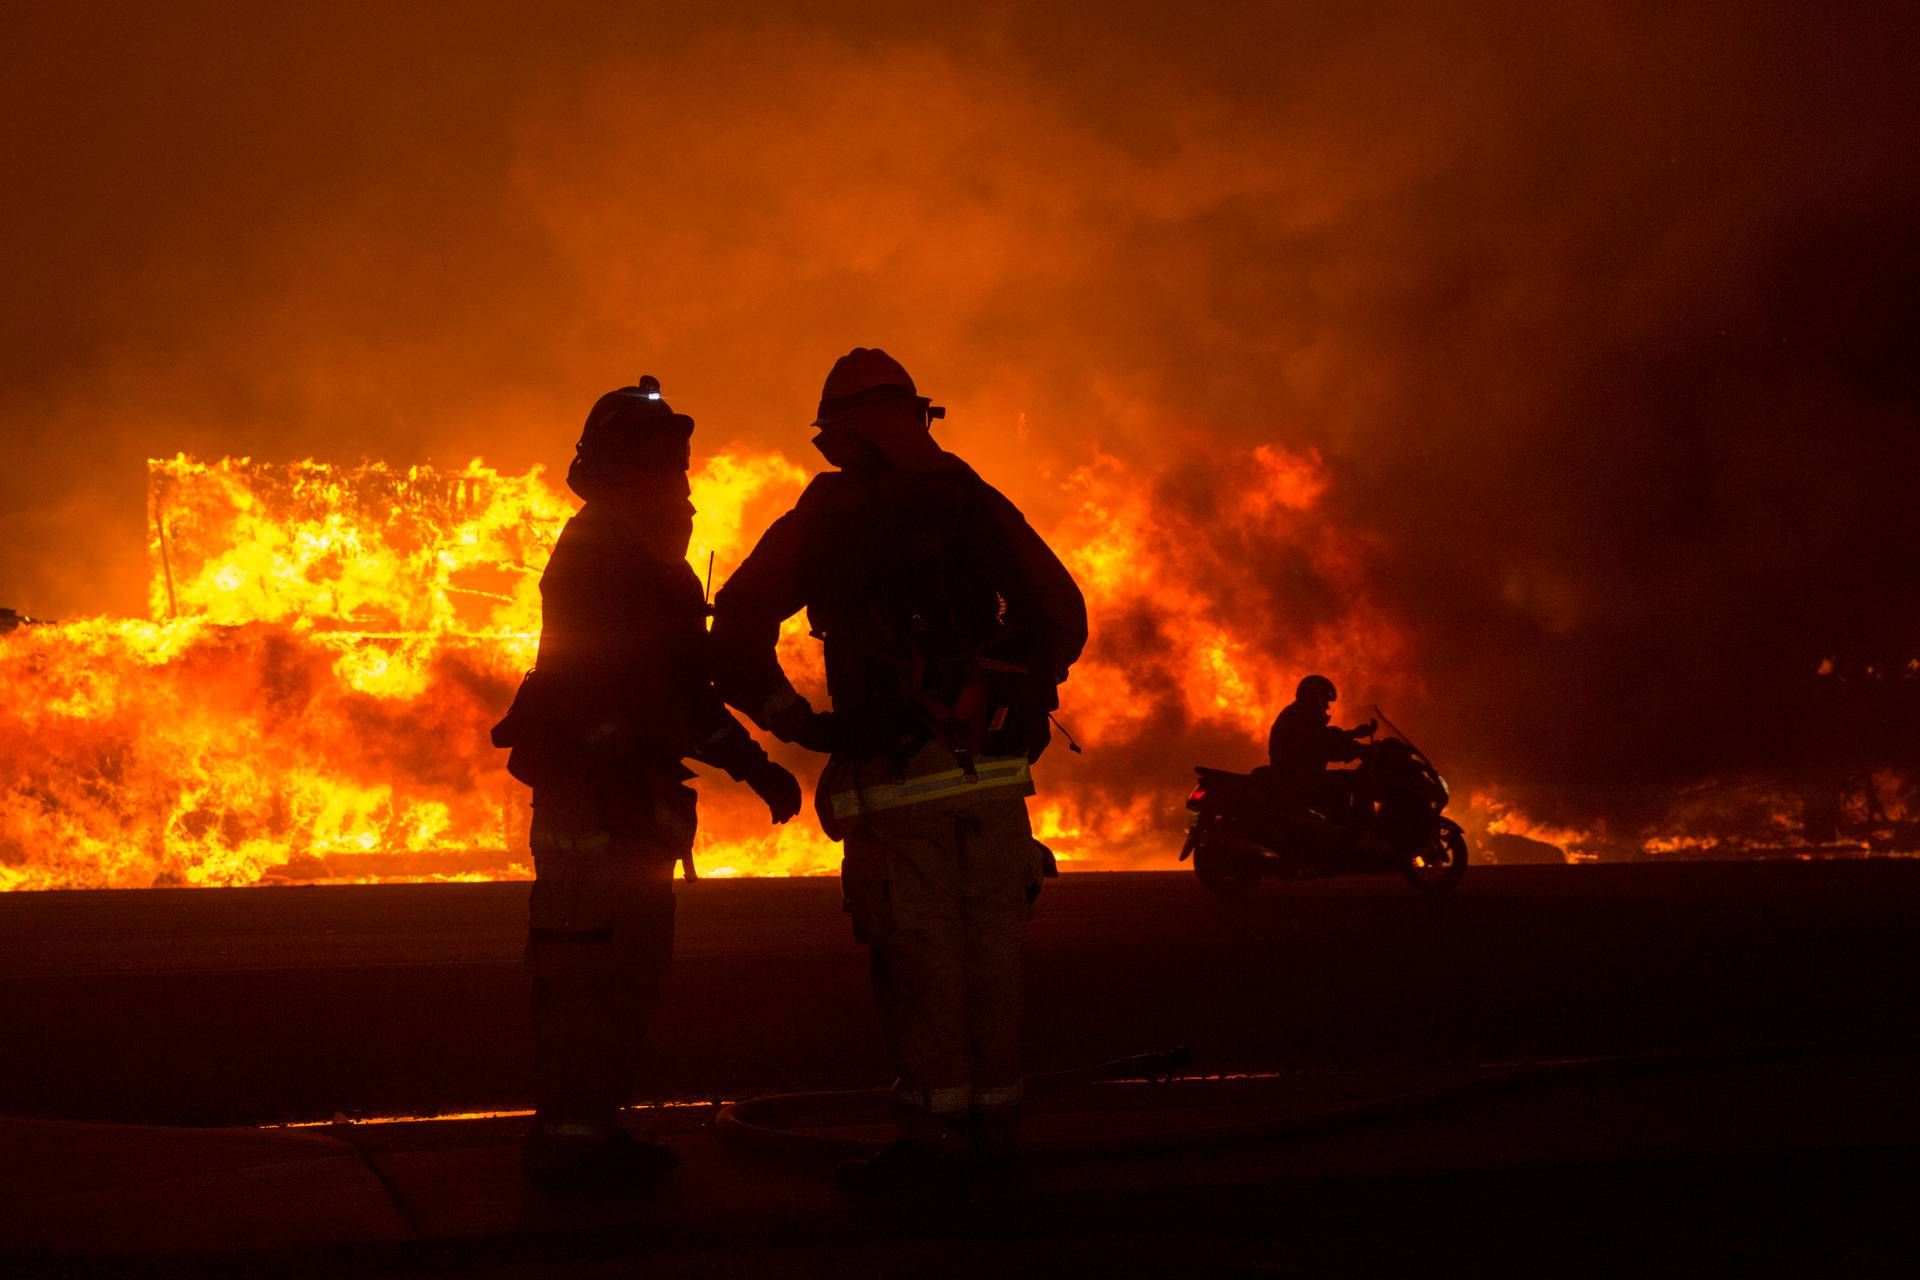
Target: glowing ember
pixel 1720 817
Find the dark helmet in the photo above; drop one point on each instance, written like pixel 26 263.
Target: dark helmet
pixel 630 430
pixel 1315 689
pixel 866 376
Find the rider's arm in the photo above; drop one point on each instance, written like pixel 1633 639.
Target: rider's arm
pixel 1344 744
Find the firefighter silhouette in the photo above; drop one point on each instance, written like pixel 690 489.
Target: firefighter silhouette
pixel 618 697
pixel 947 625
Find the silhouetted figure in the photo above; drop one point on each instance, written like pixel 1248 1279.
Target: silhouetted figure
pixel 1304 741
pixel 947 625
pixel 619 695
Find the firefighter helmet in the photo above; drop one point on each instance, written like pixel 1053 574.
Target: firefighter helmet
pixel 634 427
pixel 632 437
pixel 866 376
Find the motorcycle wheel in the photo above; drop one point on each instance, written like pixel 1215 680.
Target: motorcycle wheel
pixel 1226 867
pixel 1438 865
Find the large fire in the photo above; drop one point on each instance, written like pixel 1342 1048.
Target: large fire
pixel 312 695
pixel 310 699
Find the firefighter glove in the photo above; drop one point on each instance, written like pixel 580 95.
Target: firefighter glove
pixel 780 789
pixel 790 719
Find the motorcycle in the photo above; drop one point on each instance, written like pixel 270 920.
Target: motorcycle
pixel 1381 817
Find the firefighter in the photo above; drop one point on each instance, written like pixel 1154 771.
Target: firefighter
pixel 1304 741
pixel 947 625
pixel 619 695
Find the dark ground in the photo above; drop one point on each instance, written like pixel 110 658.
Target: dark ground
pixel 1761 1120
pixel 248 1006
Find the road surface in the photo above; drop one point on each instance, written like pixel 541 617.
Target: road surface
pixel 241 1006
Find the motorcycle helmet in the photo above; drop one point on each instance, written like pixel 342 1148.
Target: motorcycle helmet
pixel 1315 689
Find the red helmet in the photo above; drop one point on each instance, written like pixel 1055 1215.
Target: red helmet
pixel 864 376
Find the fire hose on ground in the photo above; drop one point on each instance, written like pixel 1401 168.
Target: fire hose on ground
pixel 781 1125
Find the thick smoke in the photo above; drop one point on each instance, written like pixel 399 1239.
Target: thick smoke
pixel 1599 322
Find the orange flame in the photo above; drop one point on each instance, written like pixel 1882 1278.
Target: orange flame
pixel 312 700
pixel 1134 560
pixel 329 646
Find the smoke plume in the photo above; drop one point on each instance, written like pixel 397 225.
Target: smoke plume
pixel 1592 328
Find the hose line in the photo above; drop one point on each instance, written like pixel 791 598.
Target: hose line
pixel 785 1125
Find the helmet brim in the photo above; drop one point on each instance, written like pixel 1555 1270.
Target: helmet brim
pixel 828 418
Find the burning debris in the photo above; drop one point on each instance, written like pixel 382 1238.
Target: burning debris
pixel 311 698
pixel 327 646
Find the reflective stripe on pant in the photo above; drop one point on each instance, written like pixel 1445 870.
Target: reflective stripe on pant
pixel 939 891
pixel 598 946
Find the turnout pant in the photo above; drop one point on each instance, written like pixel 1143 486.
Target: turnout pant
pixel 599 940
pixel 941 891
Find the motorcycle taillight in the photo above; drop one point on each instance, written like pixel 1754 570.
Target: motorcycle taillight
pixel 1199 794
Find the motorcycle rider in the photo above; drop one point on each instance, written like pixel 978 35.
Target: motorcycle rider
pixel 619 695
pixel 947 625
pixel 1304 741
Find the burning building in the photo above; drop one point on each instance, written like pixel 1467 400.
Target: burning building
pixel 310 699
pixel 327 646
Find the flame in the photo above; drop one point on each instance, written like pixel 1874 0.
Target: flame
pixel 1147 569
pixel 1085 834
pixel 328 647
pixel 312 698
pixel 1726 816
pixel 1194 639
pixel 1491 814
